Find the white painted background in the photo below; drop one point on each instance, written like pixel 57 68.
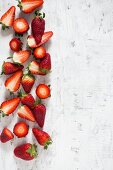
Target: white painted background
pixel 80 111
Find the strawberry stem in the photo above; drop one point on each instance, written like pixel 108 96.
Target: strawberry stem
pixel 40 15
pixel 19 4
pixel 49 142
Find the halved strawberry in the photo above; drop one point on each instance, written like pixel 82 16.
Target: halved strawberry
pixel 13 82
pixel 8 18
pixel 20 25
pixel 39 52
pixel 43 91
pixel 27 82
pixel 28 6
pixel 45 64
pixel 6 135
pixel 21 56
pixel 27 99
pixel 15 44
pixel 32 43
pixel 9 106
pixel 21 129
pixel 10 68
pixel 25 113
pixel 34 67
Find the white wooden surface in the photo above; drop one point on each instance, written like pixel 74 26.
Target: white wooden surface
pixel 80 111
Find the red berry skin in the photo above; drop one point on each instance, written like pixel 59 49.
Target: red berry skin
pixel 45 64
pixel 10 68
pixel 39 113
pixel 26 151
pixel 42 137
pixel 28 100
pixel 38 27
pixel 15 44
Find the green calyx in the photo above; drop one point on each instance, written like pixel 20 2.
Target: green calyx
pixel 39 14
pixel 19 4
pixel 32 151
pixel 49 142
pixel 45 71
pixel 4 26
pixel 20 94
pixel 38 102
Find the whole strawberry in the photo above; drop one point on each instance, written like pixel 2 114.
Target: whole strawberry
pixel 26 151
pixel 38 26
pixel 27 99
pixel 42 137
pixel 45 64
pixel 39 113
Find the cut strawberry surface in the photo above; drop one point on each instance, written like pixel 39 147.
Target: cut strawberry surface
pixel 20 25
pixel 9 106
pixel 25 113
pixel 8 18
pixel 27 82
pixel 34 67
pixel 21 56
pixel 45 38
pixel 43 91
pixel 13 83
pixel 10 68
pixel 6 135
pixel 21 129
pixel 15 44
pixel 28 6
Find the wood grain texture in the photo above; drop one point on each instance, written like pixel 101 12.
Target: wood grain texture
pixel 80 111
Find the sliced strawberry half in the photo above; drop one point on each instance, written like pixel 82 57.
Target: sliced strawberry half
pixel 27 82
pixel 9 106
pixel 32 43
pixel 8 18
pixel 25 113
pixel 34 67
pixel 6 135
pixel 21 56
pixel 10 68
pixel 20 25
pixel 13 82
pixel 15 44
pixel 28 6
pixel 21 129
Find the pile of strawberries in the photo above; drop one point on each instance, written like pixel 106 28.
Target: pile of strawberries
pixel 30 109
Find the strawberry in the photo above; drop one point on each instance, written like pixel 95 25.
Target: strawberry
pixel 32 43
pixel 9 106
pixel 27 82
pixel 39 52
pixel 26 151
pixel 34 67
pixel 15 44
pixel 43 91
pixel 10 68
pixel 6 135
pixel 21 56
pixel 39 113
pixel 38 26
pixel 7 19
pixel 25 113
pixel 45 64
pixel 42 137
pixel 27 99
pixel 28 6
pixel 21 129
pixel 13 82
pixel 20 25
